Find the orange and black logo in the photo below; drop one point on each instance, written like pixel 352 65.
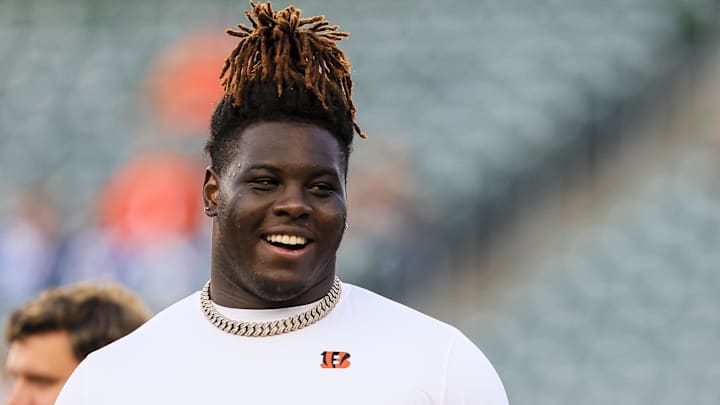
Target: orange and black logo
pixel 335 360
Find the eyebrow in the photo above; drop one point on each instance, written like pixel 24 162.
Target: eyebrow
pixel 41 377
pixel 316 170
pixel 259 166
pixel 32 375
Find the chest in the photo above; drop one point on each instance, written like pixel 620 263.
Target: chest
pixel 347 371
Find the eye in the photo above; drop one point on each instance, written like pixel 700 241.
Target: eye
pixel 322 189
pixel 263 184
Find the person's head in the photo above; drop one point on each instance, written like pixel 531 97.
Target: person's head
pixel 50 335
pixel 279 145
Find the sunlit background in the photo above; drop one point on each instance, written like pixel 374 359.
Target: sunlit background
pixel 543 174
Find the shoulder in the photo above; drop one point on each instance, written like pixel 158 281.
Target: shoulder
pixel 375 308
pixel 374 301
pixel 125 364
pixel 470 377
pixel 465 374
pixel 179 315
pixel 171 325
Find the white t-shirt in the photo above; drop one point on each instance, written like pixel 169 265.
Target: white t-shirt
pixel 396 356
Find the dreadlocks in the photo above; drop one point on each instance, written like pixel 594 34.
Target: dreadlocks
pixel 284 68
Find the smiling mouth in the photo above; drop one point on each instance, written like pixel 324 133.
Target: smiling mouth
pixel 289 242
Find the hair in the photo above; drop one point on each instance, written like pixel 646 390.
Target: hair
pixel 92 315
pixel 284 68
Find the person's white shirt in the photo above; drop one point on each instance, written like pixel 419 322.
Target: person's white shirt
pixel 374 351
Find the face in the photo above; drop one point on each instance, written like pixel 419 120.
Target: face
pixel 279 216
pixel 39 365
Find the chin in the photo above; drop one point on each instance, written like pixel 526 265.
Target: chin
pixel 279 288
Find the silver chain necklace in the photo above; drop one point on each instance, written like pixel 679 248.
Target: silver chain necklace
pixel 270 328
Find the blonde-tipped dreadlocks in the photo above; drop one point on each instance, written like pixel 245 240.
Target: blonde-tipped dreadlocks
pixel 292 52
pixel 284 68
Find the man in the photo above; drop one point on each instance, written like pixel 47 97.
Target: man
pixel 274 325
pixel 50 335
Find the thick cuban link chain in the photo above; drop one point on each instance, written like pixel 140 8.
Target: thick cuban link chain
pixel 270 328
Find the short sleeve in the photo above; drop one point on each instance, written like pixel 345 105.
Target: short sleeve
pixel 470 379
pixel 73 392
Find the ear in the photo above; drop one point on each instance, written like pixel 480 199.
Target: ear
pixel 210 192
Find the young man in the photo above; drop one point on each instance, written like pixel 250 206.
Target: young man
pixel 274 325
pixel 51 334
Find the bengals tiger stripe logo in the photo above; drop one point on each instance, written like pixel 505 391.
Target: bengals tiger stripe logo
pixel 335 360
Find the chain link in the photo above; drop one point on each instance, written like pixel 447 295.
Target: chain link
pixel 270 328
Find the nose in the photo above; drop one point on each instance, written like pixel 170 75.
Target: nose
pixel 293 202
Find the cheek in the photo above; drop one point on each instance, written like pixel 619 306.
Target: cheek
pixel 335 217
pixel 244 212
pixel 244 219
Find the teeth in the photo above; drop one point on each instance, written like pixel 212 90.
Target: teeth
pixel 286 239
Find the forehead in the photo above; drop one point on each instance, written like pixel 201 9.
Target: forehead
pixel 47 354
pixel 288 144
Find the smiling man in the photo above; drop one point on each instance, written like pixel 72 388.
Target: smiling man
pixel 51 334
pixel 280 204
pixel 274 324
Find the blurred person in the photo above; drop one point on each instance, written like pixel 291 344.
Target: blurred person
pixel 91 255
pixel 51 334
pixel 137 239
pixel 160 271
pixel 274 324
pixel 29 247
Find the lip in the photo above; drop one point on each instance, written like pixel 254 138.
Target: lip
pixel 286 253
pixel 288 231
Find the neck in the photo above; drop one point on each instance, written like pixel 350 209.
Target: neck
pixel 229 289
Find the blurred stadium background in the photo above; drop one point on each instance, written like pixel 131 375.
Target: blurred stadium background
pixel 544 174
